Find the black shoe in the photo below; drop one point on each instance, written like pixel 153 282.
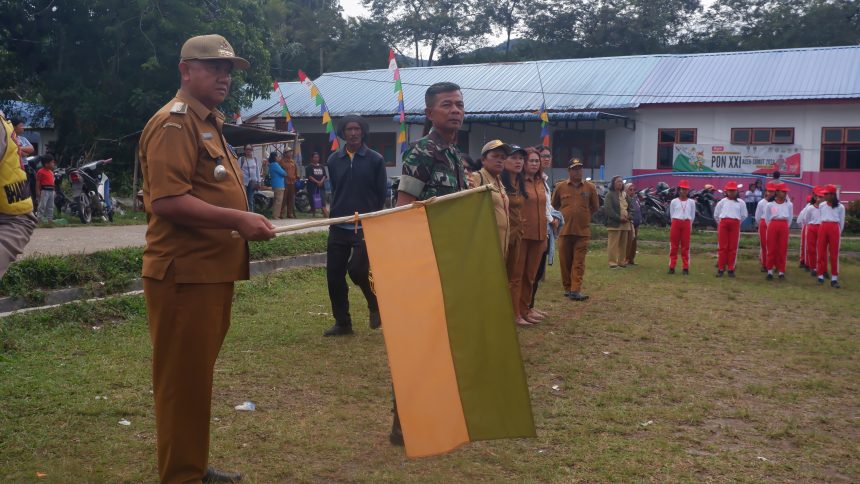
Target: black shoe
pixel 720 273
pixel 215 475
pixel 782 277
pixel 375 320
pixel 826 275
pixel 732 274
pixel 685 272
pixel 835 284
pixel 396 435
pixel 821 280
pixel 575 296
pixel 338 330
pixel 671 270
pixel 769 277
pixel 813 273
pixel 567 294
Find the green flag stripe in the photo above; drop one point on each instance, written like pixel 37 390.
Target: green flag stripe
pixel 480 318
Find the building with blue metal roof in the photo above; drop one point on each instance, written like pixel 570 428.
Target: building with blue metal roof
pixel 624 115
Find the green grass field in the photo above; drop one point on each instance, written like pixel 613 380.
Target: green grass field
pixel 660 378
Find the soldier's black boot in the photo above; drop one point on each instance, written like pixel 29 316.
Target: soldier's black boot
pixel 339 330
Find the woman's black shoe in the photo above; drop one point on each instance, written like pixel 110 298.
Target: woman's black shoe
pixel 216 475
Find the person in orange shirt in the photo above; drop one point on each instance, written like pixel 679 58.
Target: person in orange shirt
pixel 534 240
pixel 290 167
pixel 577 200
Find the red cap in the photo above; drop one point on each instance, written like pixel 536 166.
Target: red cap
pixel 808 198
pixel 781 187
pixel 684 184
pixel 731 186
pixel 829 188
pixel 770 186
pixel 818 191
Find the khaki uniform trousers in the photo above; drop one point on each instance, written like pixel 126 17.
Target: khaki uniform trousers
pixel 572 250
pixel 525 274
pixel 616 246
pixel 512 264
pixel 187 325
pixel 278 204
pixel 632 245
pixel 290 199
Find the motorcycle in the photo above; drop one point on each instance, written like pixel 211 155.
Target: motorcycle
pixel 91 191
pixel 303 198
pixel 705 202
pixel 653 209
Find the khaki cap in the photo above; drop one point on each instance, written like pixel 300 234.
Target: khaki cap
pixel 574 163
pixel 211 47
pixel 496 144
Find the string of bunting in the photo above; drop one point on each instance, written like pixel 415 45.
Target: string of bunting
pixel 284 109
pixel 544 124
pixel 401 109
pixel 326 117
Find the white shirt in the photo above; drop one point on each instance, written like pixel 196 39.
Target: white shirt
pixel 727 208
pixel 548 198
pixel 810 215
pixel 831 214
pixel 683 210
pixel 779 211
pixel 250 169
pixel 759 209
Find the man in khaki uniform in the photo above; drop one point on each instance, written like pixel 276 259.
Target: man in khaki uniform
pixel 194 196
pixel 577 200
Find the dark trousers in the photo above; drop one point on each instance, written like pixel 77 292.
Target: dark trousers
pixel 347 254
pixel 539 277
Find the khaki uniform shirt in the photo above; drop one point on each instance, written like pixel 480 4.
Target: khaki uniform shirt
pixel 178 151
pixel 292 171
pixel 534 210
pixel 577 204
pixel 500 204
pixel 515 210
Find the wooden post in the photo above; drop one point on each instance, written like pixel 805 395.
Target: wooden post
pixel 134 178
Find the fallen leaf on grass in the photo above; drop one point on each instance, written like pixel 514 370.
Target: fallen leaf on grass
pixel 124 422
pixel 645 424
pixel 41 475
pixel 247 406
pixel 556 387
pixel 763 458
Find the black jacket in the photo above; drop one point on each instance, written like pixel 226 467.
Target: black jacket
pixel 358 185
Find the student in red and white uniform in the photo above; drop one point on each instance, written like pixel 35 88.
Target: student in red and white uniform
pixel 762 224
pixel 778 214
pixel 682 211
pixel 729 213
pixel 829 232
pixel 809 219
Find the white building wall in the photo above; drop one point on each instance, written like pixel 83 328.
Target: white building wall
pixel 714 125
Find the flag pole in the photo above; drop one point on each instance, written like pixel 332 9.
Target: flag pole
pixel 543 98
pixel 380 213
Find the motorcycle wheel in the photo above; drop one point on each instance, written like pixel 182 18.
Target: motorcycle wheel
pixel 303 202
pixel 85 209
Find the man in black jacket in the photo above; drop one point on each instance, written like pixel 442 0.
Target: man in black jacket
pixel 358 183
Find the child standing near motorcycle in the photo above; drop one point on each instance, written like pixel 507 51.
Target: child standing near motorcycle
pixel 762 224
pixel 829 233
pixel 729 213
pixel 45 188
pixel 682 211
pixel 778 216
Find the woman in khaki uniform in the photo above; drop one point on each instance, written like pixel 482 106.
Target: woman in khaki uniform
pixel 534 239
pixel 493 156
pixel 618 227
pixel 194 196
pixel 513 181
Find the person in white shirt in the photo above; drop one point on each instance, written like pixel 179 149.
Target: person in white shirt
pixel 250 173
pixel 778 214
pixel 832 215
pixel 808 219
pixel 762 224
pixel 729 213
pixel 682 211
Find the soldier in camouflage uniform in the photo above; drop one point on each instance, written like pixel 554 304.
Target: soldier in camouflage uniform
pixel 432 166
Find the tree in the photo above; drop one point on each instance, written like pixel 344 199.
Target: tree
pixel 103 67
pixel 506 14
pixel 305 34
pixel 443 26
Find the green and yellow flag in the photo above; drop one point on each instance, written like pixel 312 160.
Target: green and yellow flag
pixel 448 324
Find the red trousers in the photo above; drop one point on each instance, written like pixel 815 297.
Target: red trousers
pixel 811 250
pixel 802 248
pixel 679 235
pixel 777 244
pixel 728 238
pixel 762 237
pixel 828 240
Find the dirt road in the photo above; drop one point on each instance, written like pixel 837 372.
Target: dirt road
pixel 92 238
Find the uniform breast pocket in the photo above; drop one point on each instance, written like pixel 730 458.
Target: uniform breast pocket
pixel 212 155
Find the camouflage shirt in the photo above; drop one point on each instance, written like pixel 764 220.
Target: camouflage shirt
pixel 432 167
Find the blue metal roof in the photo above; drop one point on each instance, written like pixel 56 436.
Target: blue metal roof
pixel 610 83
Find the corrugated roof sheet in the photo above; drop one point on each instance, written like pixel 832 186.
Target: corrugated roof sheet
pixel 611 83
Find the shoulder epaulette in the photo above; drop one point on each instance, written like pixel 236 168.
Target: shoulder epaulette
pixel 179 107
